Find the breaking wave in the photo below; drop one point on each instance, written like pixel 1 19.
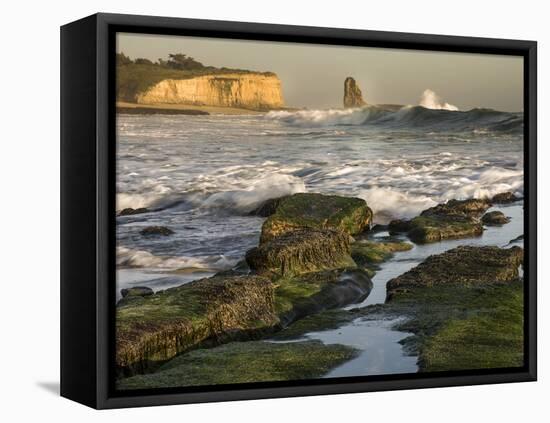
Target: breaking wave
pixel 219 193
pixel 439 118
pixel 430 100
pixel 129 257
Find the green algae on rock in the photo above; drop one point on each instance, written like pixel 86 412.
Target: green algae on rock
pixel 495 218
pixel 310 293
pixel 453 219
pixel 465 308
pixel 504 198
pixel 471 207
pixel 268 207
pixel 491 336
pixel 301 251
pixel 155 328
pixel 464 265
pixel 136 291
pixel 242 362
pixel 316 211
pixel 371 253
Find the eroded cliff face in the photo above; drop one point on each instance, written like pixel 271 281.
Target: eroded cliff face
pixel 251 91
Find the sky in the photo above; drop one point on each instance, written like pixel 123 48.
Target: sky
pixel 313 75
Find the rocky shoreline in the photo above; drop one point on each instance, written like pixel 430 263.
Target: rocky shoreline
pixel 314 258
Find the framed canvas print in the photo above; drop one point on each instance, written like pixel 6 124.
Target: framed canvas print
pixel 255 211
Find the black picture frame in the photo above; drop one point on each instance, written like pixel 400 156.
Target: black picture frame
pixel 88 218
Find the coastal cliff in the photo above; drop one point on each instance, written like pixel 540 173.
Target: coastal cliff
pixel 252 91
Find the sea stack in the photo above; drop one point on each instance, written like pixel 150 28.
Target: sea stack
pixel 352 94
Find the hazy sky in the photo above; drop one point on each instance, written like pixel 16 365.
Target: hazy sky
pixel 313 75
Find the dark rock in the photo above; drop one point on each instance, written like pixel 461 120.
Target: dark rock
pixel 136 291
pixel 311 293
pixel 505 197
pixel 130 211
pixel 352 94
pixel 399 225
pixel 463 266
pixel 268 207
pixel 156 230
pixel 517 239
pixel 495 218
pixel 317 211
pixel 301 251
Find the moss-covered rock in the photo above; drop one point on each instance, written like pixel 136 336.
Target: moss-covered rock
pixel 269 207
pixel 371 253
pixel 242 362
pixel 454 219
pixel 301 251
pixel 153 329
pixel 472 207
pixel 463 327
pixel 504 198
pixel 489 336
pixel 317 211
pixel 465 308
pixel 464 265
pixel 495 218
pixel 310 293
pixel 136 291
pixel 436 228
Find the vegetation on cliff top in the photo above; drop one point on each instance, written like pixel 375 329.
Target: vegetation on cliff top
pixel 136 76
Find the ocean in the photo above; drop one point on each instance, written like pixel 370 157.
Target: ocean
pixel 201 176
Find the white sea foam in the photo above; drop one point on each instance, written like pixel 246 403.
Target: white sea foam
pixel 202 185
pixel 128 257
pixel 387 203
pixel 430 100
pixel 329 117
pixel 272 186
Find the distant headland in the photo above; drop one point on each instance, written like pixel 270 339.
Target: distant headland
pixel 181 80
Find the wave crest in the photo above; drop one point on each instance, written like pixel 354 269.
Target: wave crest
pixel 407 117
pixel 129 257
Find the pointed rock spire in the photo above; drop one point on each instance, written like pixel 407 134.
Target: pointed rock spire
pixel 352 94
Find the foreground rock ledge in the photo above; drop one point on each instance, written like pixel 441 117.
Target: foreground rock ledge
pixel 242 362
pixel 465 309
pixel 316 211
pixel 464 266
pixel 155 328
